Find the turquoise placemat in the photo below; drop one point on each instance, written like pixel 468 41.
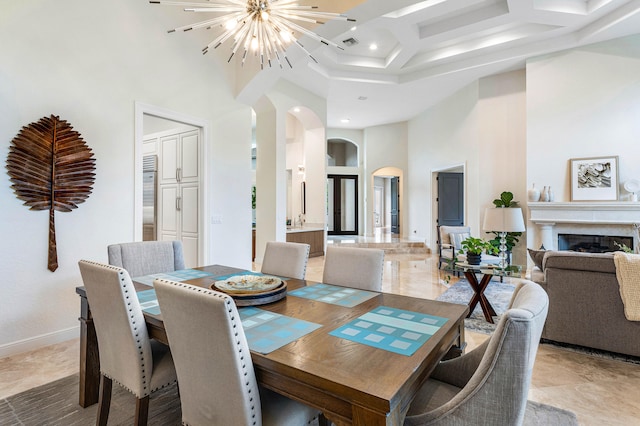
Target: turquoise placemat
pixel 149 301
pixel 336 295
pixel 180 275
pixel 393 330
pixel 267 331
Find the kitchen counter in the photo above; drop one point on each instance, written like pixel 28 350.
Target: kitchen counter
pixel 312 235
pixel 291 230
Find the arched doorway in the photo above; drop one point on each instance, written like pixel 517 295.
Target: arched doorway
pixel 386 214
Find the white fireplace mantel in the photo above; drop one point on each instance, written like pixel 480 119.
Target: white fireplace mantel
pixel 602 218
pixel 580 212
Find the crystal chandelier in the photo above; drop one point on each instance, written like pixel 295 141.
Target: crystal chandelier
pixel 265 27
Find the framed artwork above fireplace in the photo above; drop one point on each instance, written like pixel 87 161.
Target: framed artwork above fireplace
pixel 594 179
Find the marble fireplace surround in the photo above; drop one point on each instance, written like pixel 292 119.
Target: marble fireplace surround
pixel 548 219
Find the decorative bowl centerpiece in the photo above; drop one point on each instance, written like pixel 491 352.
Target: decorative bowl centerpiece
pixel 251 290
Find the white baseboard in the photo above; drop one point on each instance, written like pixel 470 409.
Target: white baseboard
pixel 33 343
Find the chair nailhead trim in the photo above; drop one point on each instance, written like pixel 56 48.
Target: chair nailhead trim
pixel 233 321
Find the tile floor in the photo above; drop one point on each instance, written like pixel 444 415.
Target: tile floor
pixel 599 391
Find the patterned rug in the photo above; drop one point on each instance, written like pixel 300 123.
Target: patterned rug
pixel 498 294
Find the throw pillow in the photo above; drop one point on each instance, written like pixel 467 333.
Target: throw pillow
pixel 537 256
pixel 457 238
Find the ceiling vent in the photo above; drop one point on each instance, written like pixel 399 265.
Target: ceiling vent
pixel 350 41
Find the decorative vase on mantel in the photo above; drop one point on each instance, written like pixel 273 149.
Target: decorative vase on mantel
pixel 550 195
pixel 544 195
pixel 533 194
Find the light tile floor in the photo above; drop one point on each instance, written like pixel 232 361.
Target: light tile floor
pixel 599 391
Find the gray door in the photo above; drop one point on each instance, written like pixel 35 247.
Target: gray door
pixel 450 199
pixel 395 205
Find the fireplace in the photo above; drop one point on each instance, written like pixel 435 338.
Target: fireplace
pixel 593 243
pixel 617 221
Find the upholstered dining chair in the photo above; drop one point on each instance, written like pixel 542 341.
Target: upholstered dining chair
pixel 285 259
pixel 354 267
pixel 489 385
pixel 147 257
pixel 217 380
pixel 127 354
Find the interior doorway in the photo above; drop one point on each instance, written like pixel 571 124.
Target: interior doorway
pixel 175 143
pixel 342 197
pixel 450 199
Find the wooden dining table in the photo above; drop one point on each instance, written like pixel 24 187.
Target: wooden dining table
pixel 350 382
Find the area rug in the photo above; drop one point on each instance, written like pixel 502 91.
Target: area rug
pixel 497 293
pixel 56 404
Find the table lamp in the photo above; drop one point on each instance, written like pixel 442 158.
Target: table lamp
pixel 503 220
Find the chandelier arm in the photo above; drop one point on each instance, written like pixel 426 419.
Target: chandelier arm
pixel 315 16
pixel 225 36
pixel 277 45
pixel 192 4
pixel 215 10
pixel 304 31
pixel 251 33
pixel 207 23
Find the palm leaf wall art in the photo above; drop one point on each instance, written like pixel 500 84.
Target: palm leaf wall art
pixel 51 168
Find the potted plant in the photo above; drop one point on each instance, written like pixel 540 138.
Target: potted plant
pixel 474 247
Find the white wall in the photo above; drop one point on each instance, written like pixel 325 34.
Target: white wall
pixel 441 137
pixel 88 62
pixel 583 103
pixel 482 127
pixel 385 147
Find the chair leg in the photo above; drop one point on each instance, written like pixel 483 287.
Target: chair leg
pixel 104 400
pixel 323 421
pixel 142 411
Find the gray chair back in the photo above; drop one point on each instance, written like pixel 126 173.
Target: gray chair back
pixel 489 385
pixel 285 259
pixel 123 342
pixel 147 257
pixel 354 267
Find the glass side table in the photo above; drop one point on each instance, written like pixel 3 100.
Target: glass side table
pixel 487 271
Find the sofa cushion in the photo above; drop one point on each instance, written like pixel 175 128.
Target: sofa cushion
pixel 537 256
pixel 587 262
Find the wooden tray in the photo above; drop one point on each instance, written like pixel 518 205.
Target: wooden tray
pixel 254 299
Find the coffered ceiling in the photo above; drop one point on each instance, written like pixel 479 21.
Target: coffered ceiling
pixel 427 50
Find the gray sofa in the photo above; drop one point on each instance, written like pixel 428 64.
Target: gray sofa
pixel 585 307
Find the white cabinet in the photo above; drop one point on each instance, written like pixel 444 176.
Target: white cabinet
pixel 179 154
pixel 179 192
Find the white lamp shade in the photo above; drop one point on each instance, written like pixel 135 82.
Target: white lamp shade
pixel 503 219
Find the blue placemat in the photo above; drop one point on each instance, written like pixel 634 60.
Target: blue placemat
pixel 180 275
pixel 394 330
pixel 267 331
pixel 336 295
pixel 149 301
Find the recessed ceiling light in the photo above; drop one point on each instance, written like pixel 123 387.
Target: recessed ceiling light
pixel 373 46
pixel 362 98
pixel 296 109
pixel 345 120
pixel 353 28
